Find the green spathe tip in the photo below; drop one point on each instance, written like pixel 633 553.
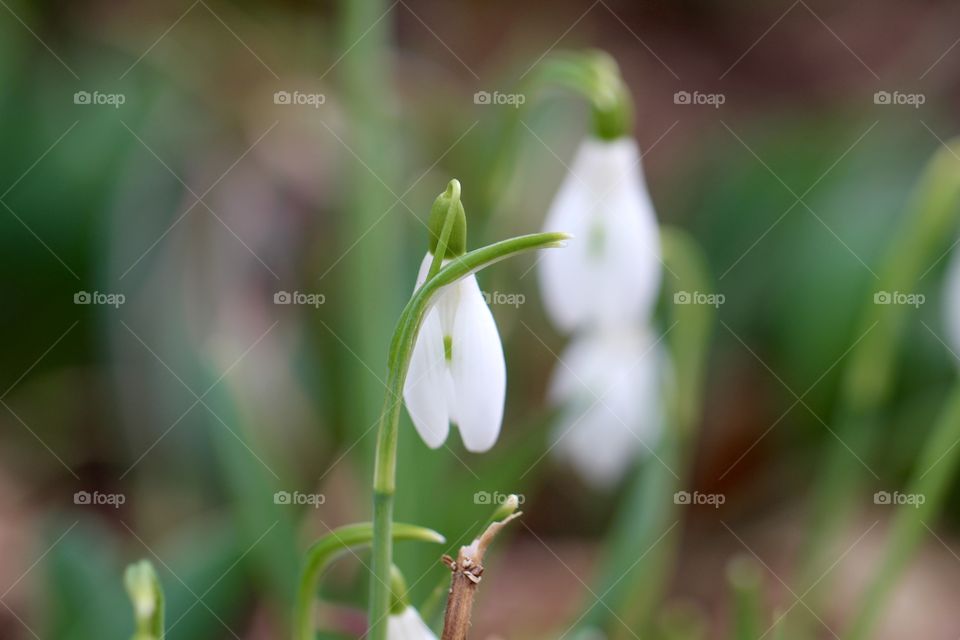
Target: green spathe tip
pixel 447 205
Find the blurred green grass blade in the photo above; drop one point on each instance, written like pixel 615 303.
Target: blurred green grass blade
pixel 641 548
pixel 932 475
pixel 686 271
pixel 200 560
pixel 746 583
pixel 930 222
pixel 85 598
pixel 371 160
pixel 681 621
pixel 268 529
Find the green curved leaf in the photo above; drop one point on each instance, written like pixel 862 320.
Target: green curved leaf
pixel 325 550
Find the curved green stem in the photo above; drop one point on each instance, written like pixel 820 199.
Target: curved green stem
pixel 401 348
pixel 328 548
pixel 595 76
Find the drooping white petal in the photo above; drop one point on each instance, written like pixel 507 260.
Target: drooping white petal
pixel 609 385
pixel 478 369
pixel 408 625
pixel 609 274
pixel 424 391
pixel 951 302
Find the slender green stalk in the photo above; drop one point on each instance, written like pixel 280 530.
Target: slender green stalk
pixel 936 467
pixel 327 549
pixel 401 349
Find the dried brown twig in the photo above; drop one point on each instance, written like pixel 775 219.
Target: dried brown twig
pixel 467 571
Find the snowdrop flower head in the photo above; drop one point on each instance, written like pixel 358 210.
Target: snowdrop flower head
pixel 610 274
pixel 457 372
pixel 408 625
pixel 608 385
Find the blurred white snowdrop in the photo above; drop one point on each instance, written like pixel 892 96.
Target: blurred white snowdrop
pixel 457 372
pixel 408 625
pixel 608 384
pixel 610 274
pixel 604 287
pixel 952 303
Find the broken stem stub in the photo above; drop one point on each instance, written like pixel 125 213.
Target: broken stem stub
pixel 467 571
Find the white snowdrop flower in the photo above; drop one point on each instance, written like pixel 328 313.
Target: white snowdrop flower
pixel 609 386
pixel 408 625
pixel 610 274
pixel 457 373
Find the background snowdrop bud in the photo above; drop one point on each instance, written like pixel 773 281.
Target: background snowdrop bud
pixel 609 274
pixel 408 625
pixel 145 593
pixel 608 385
